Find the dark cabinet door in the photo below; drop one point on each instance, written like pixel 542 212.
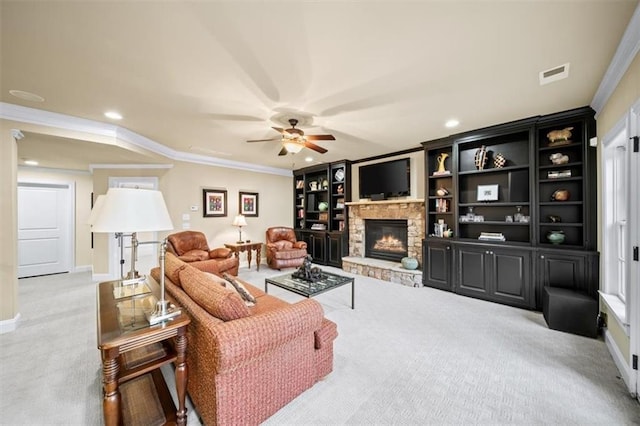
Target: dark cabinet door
pixel 472 277
pixel 495 273
pixel 437 265
pixel 576 270
pixel 511 283
pixel 316 247
pixel 334 249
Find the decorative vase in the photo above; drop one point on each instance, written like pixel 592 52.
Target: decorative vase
pixel 409 263
pixel 499 161
pixel 480 158
pixel 555 237
pixel 323 206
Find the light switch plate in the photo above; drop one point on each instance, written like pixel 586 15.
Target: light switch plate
pixel 186 216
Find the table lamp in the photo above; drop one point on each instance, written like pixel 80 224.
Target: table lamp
pixel 137 210
pixel 239 221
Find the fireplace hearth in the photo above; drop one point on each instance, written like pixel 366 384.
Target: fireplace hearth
pixel 386 239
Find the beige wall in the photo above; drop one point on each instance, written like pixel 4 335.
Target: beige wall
pixel 182 187
pixel 626 94
pixel 8 224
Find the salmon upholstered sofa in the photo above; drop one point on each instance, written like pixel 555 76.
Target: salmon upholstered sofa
pixel 246 362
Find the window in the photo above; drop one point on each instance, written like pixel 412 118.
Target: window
pixel 617 199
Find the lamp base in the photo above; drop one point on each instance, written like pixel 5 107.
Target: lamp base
pixel 164 311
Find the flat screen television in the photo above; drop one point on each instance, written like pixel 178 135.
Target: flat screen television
pixel 383 180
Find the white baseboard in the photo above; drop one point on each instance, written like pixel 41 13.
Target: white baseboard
pixel 101 277
pixel 83 268
pixel 619 360
pixel 7 326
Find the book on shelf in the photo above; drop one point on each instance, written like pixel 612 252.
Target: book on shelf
pixel 341 226
pixel 441 205
pixel 319 227
pixel 492 236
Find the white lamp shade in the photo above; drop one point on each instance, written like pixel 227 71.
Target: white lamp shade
pixel 239 220
pixel 132 210
pixel 293 147
pixel 97 206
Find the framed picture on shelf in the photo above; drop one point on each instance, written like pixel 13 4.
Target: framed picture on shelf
pixel 487 192
pixel 214 202
pixel 248 204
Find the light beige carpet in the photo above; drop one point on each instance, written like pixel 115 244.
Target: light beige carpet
pixel 404 356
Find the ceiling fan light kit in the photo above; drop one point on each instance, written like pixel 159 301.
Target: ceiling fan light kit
pixel 293 139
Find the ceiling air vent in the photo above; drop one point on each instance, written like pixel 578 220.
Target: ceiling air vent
pixel 554 74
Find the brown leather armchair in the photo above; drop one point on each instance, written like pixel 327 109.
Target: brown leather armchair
pixel 283 250
pixel 192 247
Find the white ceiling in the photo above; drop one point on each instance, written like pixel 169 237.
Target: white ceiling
pixel 381 76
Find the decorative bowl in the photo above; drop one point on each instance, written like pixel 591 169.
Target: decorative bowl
pixel 409 263
pixel 560 195
pixel 555 237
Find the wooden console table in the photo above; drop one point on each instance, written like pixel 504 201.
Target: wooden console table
pixel 132 353
pixel 240 247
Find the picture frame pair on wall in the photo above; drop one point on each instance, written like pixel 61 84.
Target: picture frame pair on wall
pixel 214 203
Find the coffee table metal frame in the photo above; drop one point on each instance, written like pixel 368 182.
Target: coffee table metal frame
pixel 309 289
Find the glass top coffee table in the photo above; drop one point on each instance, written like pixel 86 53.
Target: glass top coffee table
pixel 305 288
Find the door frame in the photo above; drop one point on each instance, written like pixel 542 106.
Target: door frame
pixel 634 240
pixel 70 218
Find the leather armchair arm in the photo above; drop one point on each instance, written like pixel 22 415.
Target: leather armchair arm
pixel 300 245
pixel 245 339
pixel 220 253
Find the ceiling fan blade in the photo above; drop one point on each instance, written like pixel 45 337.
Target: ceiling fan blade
pixel 315 147
pixel 265 140
pixel 278 129
pixel 320 138
pixel 283 151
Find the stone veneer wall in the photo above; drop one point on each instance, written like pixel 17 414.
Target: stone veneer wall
pixel 411 210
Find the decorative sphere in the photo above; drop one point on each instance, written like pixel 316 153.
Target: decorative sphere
pixel 409 263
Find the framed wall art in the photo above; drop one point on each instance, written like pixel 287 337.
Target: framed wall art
pixel 248 204
pixel 214 202
pixel 487 192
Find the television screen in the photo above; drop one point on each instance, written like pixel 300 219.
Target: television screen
pixel 388 179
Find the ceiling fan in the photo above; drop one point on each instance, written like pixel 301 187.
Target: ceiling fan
pixel 293 140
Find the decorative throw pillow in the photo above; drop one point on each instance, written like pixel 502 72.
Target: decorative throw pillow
pixel 220 302
pixel 241 289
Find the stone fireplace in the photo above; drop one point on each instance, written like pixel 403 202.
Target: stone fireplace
pixel 412 215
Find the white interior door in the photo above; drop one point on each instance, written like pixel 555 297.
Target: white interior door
pixel 45 232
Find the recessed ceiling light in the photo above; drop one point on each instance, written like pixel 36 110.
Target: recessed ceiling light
pixel 308 159
pixel 26 96
pixel 113 115
pixel 452 123
pixel 31 162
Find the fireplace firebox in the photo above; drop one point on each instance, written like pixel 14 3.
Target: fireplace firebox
pixel 385 239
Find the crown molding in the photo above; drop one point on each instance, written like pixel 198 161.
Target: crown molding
pixel 53 119
pixel 93 167
pixel 52 170
pixel 628 48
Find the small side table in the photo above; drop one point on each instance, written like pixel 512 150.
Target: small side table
pixel 248 247
pixel 132 349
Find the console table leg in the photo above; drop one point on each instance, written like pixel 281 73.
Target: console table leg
pixel 258 253
pixel 249 257
pixel 181 376
pixel 111 400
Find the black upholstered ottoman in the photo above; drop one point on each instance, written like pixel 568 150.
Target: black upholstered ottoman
pixel 570 311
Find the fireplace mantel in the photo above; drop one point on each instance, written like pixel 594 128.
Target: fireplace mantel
pixel 403 201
